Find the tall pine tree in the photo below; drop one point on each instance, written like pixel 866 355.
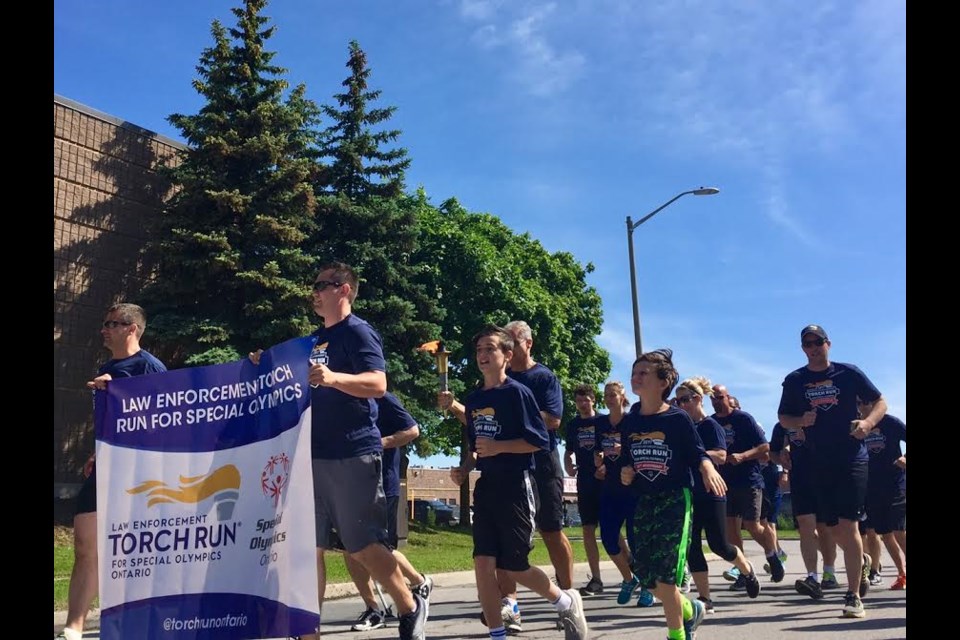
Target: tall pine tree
pixel 365 219
pixel 231 271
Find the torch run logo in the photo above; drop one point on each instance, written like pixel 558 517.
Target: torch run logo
pixel 275 477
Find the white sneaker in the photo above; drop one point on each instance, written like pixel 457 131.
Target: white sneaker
pixel 573 620
pixel 511 619
pixel 368 621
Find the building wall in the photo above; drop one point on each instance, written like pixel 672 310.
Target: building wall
pixel 106 190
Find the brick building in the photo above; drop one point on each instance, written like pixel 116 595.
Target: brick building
pixel 105 190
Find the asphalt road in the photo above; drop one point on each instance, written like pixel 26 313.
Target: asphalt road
pixel 779 612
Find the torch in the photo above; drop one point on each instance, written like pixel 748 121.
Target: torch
pixel 442 355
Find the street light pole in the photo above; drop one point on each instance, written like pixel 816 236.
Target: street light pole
pixel 631 225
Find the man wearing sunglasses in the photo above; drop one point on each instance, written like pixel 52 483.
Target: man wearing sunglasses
pixel 121 331
pixel 347 375
pixel 821 399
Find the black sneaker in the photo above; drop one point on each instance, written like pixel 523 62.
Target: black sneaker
pixel 740 584
pixel 413 625
pixel 852 607
pixel 593 588
pixel 865 576
pixel 809 587
pixel 425 588
pixel 368 621
pixel 751 584
pixel 776 568
pixel 707 604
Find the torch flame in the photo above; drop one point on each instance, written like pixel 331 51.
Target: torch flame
pixel 430 347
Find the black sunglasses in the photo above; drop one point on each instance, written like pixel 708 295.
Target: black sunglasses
pixel 113 324
pixel 813 343
pixel 685 399
pixel 320 285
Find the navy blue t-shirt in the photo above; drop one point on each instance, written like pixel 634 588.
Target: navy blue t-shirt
pixel 712 436
pixel 140 363
pixel 833 393
pixel 391 419
pixel 582 441
pixel 665 450
pixel 801 464
pixel 741 433
pixel 608 435
pixel 883 445
pixel 345 426
pixel 546 390
pixel 507 412
pixel 770 473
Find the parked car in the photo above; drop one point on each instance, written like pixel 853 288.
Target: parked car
pixel 444 514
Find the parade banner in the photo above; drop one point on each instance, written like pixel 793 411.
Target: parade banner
pixel 205 519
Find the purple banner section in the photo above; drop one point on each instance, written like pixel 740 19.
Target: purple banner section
pixel 205 616
pixel 208 408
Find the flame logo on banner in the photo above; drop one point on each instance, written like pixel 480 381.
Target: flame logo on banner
pixel 222 484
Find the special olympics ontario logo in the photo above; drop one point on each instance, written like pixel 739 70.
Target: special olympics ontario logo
pixel 275 477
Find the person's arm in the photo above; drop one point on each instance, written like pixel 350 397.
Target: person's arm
pixel 401 438
pixel 100 382
pixel 750 454
pixel 901 462
pixel 568 462
pixel 712 480
pixel 461 473
pixel 718 456
pixel 552 422
pixel 807 419
pixel 860 428
pixel 447 402
pixel 369 384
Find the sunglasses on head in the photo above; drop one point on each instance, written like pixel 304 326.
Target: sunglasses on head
pixel 320 285
pixel 813 343
pixel 113 324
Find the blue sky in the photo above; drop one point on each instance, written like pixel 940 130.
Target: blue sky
pixel 562 118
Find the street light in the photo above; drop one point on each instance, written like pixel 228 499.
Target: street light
pixel 631 225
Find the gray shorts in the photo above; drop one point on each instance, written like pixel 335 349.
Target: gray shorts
pixel 350 504
pixel 744 502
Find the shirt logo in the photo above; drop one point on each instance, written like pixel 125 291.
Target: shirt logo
pixel 822 395
pixel 485 424
pixel 587 438
pixel 796 437
pixel 651 456
pixel 318 355
pixel 875 441
pixel 609 443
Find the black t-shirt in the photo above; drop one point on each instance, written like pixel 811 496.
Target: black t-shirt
pixel 742 433
pixel 392 417
pixel 664 449
pixel 582 441
pixel 546 389
pixel 712 436
pixel 507 412
pixel 833 393
pixel 883 445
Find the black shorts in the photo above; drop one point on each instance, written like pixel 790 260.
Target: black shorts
pixel 841 491
pixel 887 513
pixel 393 505
pixel 549 481
pixel 504 509
pixel 744 502
pixel 770 507
pixel 87 498
pixel 588 503
pixel 804 498
pixel 661 535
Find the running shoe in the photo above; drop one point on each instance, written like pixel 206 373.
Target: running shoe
pixel 645 599
pixel 875 578
pixel 751 584
pixel 852 606
pixel 690 626
pixel 368 621
pixel 865 575
pixel 740 584
pixel 731 574
pixel 573 620
pixel 685 583
pixel 593 588
pixel 707 604
pixel 776 568
pixel 900 583
pixel 829 581
pixel 626 590
pixel 809 587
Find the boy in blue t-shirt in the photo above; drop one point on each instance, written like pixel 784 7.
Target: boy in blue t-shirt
pixel 505 429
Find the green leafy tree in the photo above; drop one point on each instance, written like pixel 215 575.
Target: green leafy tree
pixel 482 272
pixel 366 220
pixel 231 273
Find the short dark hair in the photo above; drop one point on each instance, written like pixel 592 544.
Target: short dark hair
pixel 585 390
pixel 132 313
pixel 491 330
pixel 344 274
pixel 662 359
